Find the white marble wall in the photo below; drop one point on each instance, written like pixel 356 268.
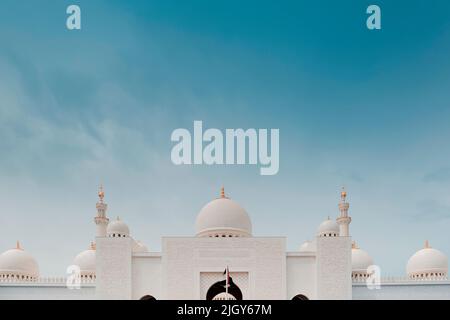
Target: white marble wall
pixel 404 291
pixel 113 268
pixel 147 275
pixel 184 259
pixel 301 274
pixel 45 292
pixel 334 268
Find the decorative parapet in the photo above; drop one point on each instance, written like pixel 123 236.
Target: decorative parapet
pixel 46 281
pixel 401 280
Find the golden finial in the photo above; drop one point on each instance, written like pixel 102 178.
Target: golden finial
pixel 427 244
pixel 93 246
pixel 343 194
pixel 222 192
pixel 118 218
pixel 101 193
pixel 354 245
pixel 18 247
pixel 328 218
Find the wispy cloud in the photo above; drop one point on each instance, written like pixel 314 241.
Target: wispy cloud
pixel 100 104
pixel 441 175
pixel 432 210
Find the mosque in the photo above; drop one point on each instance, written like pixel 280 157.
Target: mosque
pixel 331 266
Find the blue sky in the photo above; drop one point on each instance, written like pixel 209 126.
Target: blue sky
pixel 364 109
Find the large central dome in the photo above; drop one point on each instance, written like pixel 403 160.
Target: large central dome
pixel 223 218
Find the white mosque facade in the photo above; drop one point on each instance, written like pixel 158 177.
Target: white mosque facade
pixel 331 266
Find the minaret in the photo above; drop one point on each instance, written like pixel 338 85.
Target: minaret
pixel 344 220
pixel 101 220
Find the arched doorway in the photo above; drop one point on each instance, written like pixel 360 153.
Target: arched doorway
pixel 219 287
pixel 224 296
pixel 300 297
pixel 148 297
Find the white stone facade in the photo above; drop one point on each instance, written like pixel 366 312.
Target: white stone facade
pixel 260 267
pixel 187 266
pixel 262 259
pixel 192 268
pixel 334 268
pixel 113 268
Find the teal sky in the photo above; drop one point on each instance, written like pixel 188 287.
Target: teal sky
pixel 365 109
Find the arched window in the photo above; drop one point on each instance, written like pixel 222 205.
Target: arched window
pixel 148 297
pixel 219 287
pixel 300 297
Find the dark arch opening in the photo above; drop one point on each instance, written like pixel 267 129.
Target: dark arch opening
pixel 300 297
pixel 148 297
pixel 219 287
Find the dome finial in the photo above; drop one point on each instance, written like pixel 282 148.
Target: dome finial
pixel 222 192
pixel 354 245
pixel 343 194
pixel 93 247
pixel 18 247
pixel 101 193
pixel 427 244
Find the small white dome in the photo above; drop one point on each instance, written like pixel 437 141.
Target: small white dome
pixel 427 263
pixel 139 247
pixel 328 228
pixel 361 260
pixel 308 246
pixel 117 228
pixel 224 296
pixel 223 218
pixel 18 264
pixel 86 261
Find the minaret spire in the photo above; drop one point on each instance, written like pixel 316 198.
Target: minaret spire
pixel 344 219
pixel 343 194
pixel 101 193
pixel 101 220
